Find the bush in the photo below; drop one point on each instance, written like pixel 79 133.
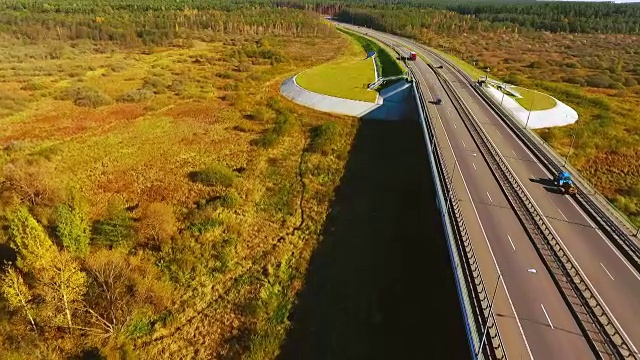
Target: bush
pixel 155 84
pixel 256 76
pixel 229 200
pixel 177 86
pixel 616 85
pixel 266 140
pixel 239 100
pixel 232 86
pixel 574 80
pixel 86 96
pixel 260 114
pixel 118 67
pixel 117 227
pixel 32 86
pixel 157 222
pixel 215 175
pixel 203 226
pixel 136 96
pixel 513 79
pixel 226 75
pixel 244 67
pixel 599 81
pixel 285 123
pixel 323 137
pixel 630 82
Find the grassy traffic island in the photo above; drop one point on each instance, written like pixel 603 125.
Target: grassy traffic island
pixel 527 98
pixel 350 75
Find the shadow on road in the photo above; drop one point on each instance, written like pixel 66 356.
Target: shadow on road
pixel 544 324
pixel 380 285
pixel 548 185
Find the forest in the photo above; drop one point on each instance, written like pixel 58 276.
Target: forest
pixel 567 17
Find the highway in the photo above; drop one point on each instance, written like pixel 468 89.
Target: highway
pixel 533 298
pixel 534 320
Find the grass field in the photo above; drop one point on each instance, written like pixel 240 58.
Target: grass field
pixel 346 78
pixel 534 100
pixel 465 66
pixel 223 184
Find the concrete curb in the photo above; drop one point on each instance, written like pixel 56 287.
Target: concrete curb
pixel 559 115
pixel 294 92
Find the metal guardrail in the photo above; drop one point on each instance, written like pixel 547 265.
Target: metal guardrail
pixel 606 340
pixel 379 82
pixel 474 301
pixel 482 329
pixel 603 218
pixel 553 250
pixel 600 210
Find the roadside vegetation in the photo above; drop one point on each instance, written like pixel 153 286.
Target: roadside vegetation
pixel 385 60
pixel 348 77
pixel 596 74
pixel 158 198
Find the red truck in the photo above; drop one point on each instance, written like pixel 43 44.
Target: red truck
pixel 412 56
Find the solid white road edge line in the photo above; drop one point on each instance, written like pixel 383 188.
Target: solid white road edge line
pixel 495 263
pixel 567 251
pixel 582 213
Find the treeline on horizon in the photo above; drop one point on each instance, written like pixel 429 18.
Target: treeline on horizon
pixel 135 23
pixel 561 16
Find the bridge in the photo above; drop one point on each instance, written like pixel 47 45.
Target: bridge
pixel 539 275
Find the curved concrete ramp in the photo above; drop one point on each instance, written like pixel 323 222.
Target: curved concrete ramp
pixel 393 103
pixel 294 92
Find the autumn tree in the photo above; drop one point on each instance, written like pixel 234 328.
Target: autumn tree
pixel 62 285
pixel 17 294
pixel 72 224
pixel 157 222
pixel 29 182
pixel 34 248
pixel 58 280
pixel 121 286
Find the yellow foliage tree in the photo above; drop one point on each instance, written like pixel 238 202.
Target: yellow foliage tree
pixel 17 293
pixel 58 278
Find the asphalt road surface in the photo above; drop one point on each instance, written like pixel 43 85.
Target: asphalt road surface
pixel 532 295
